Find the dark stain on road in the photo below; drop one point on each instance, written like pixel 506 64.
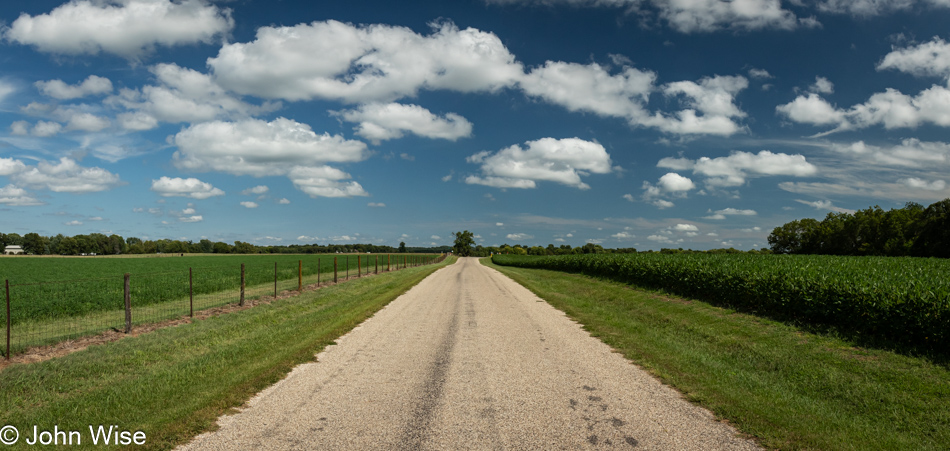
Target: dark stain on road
pixel 423 414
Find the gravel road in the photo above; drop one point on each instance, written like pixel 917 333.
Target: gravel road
pixel 469 359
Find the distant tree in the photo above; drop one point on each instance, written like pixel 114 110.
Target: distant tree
pixel 222 248
pixel 241 247
pixel 790 238
pixel 402 247
pixel 35 244
pixel 69 246
pixel 117 245
pixel 591 248
pixel 13 239
pixel 206 246
pixel 464 243
pixel 933 239
pixel 912 230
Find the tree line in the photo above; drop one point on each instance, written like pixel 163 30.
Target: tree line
pixel 100 244
pixel 465 246
pixel 913 230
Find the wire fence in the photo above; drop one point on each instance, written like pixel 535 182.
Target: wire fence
pixel 41 314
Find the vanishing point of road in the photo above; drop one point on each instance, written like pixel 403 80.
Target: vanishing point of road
pixel 469 359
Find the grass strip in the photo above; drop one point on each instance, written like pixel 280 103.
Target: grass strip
pixel 173 383
pixel 787 388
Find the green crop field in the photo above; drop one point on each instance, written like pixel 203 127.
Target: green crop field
pixel 54 298
pixel 899 301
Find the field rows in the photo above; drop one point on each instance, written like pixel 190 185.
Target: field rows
pixel 903 301
pixel 48 312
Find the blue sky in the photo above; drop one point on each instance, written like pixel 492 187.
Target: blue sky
pixel 628 123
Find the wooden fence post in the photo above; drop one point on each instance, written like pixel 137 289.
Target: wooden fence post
pixel 128 304
pixel 389 258
pixel 359 266
pixel 377 264
pixel 347 268
pixel 191 295
pixel 242 285
pixel 299 275
pixel 334 269
pixel 318 272
pixel 275 280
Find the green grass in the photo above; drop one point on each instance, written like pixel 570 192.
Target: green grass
pixel 894 302
pixel 173 383
pixel 788 388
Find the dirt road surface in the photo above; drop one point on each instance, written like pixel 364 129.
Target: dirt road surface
pixel 469 359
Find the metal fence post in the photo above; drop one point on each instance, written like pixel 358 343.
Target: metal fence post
pixel 191 295
pixel 377 264
pixel 128 304
pixel 347 268
pixel 359 266
pixel 242 285
pixel 318 272
pixel 8 318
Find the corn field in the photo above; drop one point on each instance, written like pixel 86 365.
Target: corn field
pixel 900 300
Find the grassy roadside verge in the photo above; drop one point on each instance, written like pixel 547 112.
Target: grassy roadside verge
pixel 173 383
pixel 787 388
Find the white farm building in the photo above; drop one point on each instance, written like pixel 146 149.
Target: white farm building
pixel 12 250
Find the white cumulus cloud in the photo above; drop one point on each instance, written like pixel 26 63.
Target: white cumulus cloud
pixel 911 152
pixel 591 88
pixel 721 214
pixel 66 176
pixel 325 181
pixel 556 160
pixel 366 63
pixel 670 184
pixel 708 105
pixel 380 122
pixel 181 95
pixel 259 148
pixel 891 108
pixel 280 147
pixel 929 59
pixel 734 169
pixel 916 183
pixel 58 89
pixel 822 85
pixel 179 187
pixel 15 196
pixel 128 28
pixel 248 204
pixel 258 190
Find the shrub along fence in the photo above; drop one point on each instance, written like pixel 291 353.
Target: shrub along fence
pixel 40 314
